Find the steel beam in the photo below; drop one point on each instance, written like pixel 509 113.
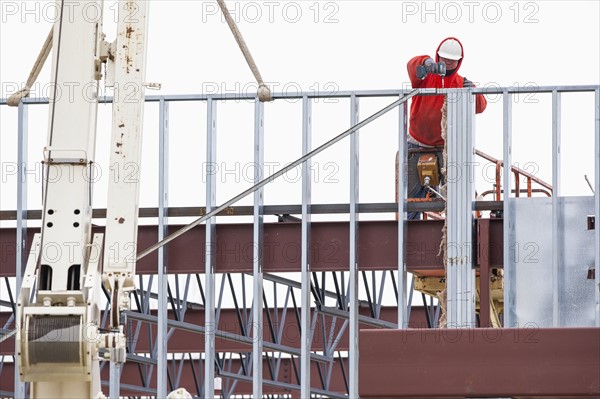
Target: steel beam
pixel 435 205
pixel 292 94
pixel 131 384
pixel 282 247
pixel 458 363
pixel 288 387
pixel 183 341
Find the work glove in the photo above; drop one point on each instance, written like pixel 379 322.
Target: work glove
pixel 429 62
pixel 468 83
pixel 429 66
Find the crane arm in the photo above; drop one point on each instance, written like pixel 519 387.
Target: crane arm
pixel 59 344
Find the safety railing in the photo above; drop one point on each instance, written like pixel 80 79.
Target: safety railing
pixel 518 172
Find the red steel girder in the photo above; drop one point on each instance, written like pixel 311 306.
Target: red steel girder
pixel 378 247
pixel 131 375
pixel 458 363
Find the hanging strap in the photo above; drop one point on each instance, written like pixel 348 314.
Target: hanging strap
pixel 264 93
pixel 15 99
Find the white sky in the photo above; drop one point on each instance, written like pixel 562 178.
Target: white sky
pixel 323 46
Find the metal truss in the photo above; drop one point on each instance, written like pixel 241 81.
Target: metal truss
pixel 328 329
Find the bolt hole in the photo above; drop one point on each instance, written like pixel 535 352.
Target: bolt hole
pixel 50 211
pixel 49 224
pixel 76 224
pixel 77 211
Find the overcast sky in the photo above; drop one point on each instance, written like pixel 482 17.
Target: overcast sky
pixel 326 46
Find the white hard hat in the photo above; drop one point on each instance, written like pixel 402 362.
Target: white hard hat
pixel 450 49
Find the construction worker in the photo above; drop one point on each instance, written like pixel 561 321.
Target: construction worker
pixel 425 133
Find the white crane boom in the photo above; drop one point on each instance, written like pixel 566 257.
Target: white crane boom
pixel 59 342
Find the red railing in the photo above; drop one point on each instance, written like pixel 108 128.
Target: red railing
pixel 547 188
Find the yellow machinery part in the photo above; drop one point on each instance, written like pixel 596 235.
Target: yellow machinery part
pixel 428 167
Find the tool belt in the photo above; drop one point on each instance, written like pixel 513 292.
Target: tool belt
pixel 428 165
pixel 415 150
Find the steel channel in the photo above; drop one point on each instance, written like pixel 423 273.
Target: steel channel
pixel 353 258
pixel 294 284
pixel 340 94
pixel 460 272
pixel 131 357
pixel 194 328
pixel 556 222
pixel 21 259
pixel 135 388
pixel 381 291
pixel 468 188
pixel 306 333
pixel 460 237
pixel 114 381
pixel 597 204
pixel 163 225
pixel 6 334
pixel 508 213
pixel 369 321
pixel 209 314
pixel 453 129
pixel 258 230
pixel 401 189
pixel 279 384
pixel 247 210
pixel 411 291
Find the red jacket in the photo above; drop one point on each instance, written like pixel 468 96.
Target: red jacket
pixel 425 111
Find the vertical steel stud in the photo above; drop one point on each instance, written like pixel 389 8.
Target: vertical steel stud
pixel 306 335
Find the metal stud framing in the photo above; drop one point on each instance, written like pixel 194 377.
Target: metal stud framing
pixel 257 305
pixel 163 183
pixel 556 222
pixel 326 362
pixel 114 391
pixel 597 200
pixel 211 235
pixel 353 283
pixel 401 190
pixel 460 274
pixel 305 307
pixel 22 141
pixel 509 222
